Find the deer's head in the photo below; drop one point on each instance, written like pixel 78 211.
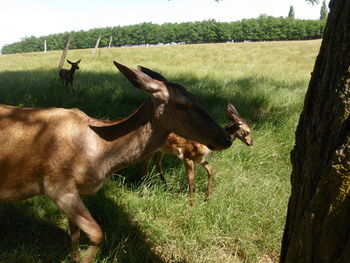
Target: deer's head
pixel 177 110
pixel 74 64
pixel 238 127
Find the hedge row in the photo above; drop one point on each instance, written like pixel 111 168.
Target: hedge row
pixel 264 28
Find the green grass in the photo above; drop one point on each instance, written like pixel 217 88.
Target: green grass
pixel 142 221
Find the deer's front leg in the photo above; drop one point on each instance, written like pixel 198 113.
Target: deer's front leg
pixel 189 166
pixel 75 235
pixel 72 206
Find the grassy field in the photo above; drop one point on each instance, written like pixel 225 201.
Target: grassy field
pixel 142 221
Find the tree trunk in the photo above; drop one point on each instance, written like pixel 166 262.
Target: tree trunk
pixel 110 42
pixel 317 229
pixel 65 51
pixel 97 44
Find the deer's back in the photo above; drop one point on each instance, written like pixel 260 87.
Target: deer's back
pixel 185 149
pixel 65 74
pixel 39 146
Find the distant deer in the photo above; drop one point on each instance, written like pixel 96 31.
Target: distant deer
pixel 64 154
pixel 67 76
pixel 191 152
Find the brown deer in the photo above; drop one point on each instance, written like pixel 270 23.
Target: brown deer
pixel 67 76
pixel 191 152
pixel 64 154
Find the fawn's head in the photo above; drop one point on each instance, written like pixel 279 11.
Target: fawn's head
pixel 74 64
pixel 238 127
pixel 176 109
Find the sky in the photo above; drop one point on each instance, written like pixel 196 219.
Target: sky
pixel 24 18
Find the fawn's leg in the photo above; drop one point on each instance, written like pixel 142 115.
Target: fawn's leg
pixel 159 156
pixel 209 170
pixel 146 166
pixel 72 206
pixel 189 166
pixel 66 85
pixel 72 86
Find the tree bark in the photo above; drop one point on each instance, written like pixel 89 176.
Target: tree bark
pixel 317 229
pixel 110 42
pixel 97 44
pixel 65 51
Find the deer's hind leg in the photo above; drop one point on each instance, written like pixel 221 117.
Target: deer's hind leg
pixel 210 172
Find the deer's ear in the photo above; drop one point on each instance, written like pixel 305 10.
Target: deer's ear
pixel 152 74
pixel 231 109
pixel 139 79
pixel 70 62
pixel 78 61
pixel 233 113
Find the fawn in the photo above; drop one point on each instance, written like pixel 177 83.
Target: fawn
pixel 67 76
pixel 191 152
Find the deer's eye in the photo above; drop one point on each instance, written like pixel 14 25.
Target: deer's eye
pixel 181 107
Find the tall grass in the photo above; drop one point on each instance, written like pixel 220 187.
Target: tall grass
pixel 142 221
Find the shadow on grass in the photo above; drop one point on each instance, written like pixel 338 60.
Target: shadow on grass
pixel 26 238
pixel 124 240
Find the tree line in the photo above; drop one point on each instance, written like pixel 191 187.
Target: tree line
pixel 263 28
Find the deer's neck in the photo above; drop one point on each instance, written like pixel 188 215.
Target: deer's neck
pixel 232 129
pixel 132 139
pixel 72 70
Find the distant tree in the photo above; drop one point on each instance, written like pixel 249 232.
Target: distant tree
pixel 291 13
pixel 324 11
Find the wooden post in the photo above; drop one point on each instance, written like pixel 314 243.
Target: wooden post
pixel 45 46
pixel 65 51
pixel 97 43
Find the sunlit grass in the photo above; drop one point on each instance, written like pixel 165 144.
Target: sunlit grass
pixel 142 221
